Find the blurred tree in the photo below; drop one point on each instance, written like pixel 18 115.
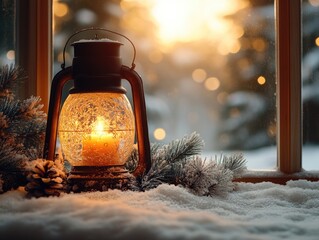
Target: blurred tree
pixel 249 114
pixel 310 75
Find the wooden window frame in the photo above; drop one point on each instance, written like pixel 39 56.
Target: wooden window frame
pixel 288 24
pixel 33 47
pixel 288 75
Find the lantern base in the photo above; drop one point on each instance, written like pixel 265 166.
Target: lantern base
pixel 95 178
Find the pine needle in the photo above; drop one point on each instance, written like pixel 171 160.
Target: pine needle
pixel 168 159
pixel 9 75
pixel 235 163
pixel 179 163
pixel 180 149
pixel 22 123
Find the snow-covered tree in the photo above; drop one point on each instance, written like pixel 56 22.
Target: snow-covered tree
pixel 249 114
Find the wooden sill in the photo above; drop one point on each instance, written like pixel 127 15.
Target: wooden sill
pixel 277 176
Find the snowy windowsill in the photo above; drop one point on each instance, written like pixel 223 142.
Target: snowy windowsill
pixel 252 211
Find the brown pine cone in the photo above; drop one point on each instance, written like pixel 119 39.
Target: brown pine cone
pixel 45 179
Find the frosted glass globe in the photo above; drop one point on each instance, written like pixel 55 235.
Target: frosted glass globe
pixel 96 129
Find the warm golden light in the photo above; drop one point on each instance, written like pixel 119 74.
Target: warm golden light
pixel 259 44
pixel 60 57
pixel 238 31
pixel 230 46
pixel 99 126
pixel 199 75
pixel 96 129
pixel 222 49
pixel 317 41
pixel 11 55
pixel 261 80
pixel 152 77
pixel 272 130
pixel 155 56
pixel 60 9
pixel 191 20
pixel 100 144
pixel 159 134
pixel 235 47
pixel 212 84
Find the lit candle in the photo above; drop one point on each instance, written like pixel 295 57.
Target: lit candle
pixel 100 148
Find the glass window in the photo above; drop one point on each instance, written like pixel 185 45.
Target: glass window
pixel 208 66
pixel 310 82
pixel 7 40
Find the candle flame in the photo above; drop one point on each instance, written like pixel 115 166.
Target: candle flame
pixel 101 148
pixel 99 128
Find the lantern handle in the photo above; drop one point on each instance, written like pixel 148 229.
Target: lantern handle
pixel 99 29
pixel 143 142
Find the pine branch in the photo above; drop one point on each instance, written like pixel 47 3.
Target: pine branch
pixel 32 108
pixel 169 159
pixel 3 124
pixel 29 125
pixel 22 123
pixel 223 183
pixel 155 147
pixel 181 149
pixel 12 157
pixel 9 107
pixel 179 163
pixel 132 161
pixel 197 174
pixel 235 163
pixel 9 75
pixel 206 178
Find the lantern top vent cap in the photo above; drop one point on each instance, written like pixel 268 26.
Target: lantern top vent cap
pixel 98 49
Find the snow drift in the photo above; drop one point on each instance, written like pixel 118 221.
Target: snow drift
pixel 253 211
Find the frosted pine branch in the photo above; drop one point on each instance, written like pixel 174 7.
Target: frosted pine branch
pixel 235 162
pixel 12 157
pixel 22 123
pixel 9 75
pixel 132 161
pixel 31 108
pixel 206 178
pixel 189 145
pixel 179 163
pixel 9 108
pixel 166 160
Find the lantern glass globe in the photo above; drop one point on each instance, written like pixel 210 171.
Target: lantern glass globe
pixel 96 129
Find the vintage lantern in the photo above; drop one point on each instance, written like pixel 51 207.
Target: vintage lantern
pixel 96 125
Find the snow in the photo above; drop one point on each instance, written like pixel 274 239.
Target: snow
pixel 253 211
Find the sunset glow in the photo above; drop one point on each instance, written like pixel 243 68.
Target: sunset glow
pixel 189 20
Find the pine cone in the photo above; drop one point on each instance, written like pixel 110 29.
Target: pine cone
pixel 46 178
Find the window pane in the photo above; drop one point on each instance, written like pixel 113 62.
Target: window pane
pixel 7 21
pixel 310 78
pixel 208 66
